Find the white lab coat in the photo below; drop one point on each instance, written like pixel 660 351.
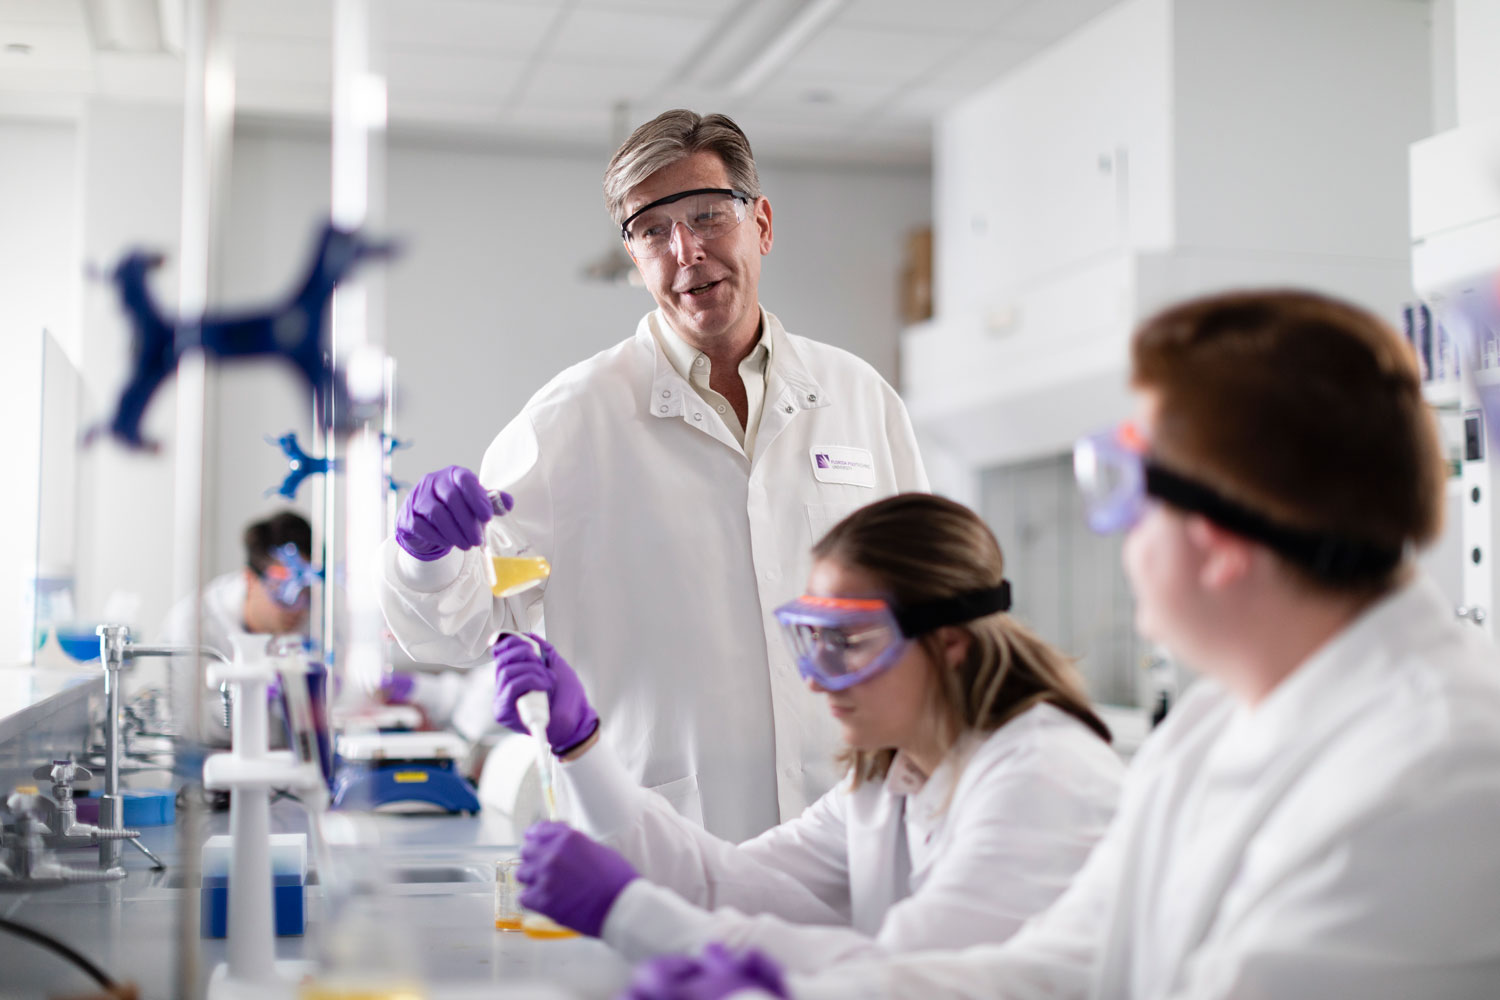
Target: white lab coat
pixel 223 616
pixel 1337 841
pixel 669 550
pixel 966 855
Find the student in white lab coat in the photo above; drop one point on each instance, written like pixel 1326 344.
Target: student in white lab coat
pixel 977 776
pixel 675 482
pixel 265 596
pixel 1318 816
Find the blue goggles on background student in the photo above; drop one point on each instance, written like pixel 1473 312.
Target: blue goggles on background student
pixel 290 578
pixel 841 641
pixel 1118 478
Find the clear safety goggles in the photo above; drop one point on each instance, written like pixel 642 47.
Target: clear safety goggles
pixel 1117 479
pixel 708 213
pixel 840 641
pixel 1110 469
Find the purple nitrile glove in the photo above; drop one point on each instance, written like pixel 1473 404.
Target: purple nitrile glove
pixel 715 974
pixel 570 878
pixel 396 688
pixel 519 669
pixel 447 509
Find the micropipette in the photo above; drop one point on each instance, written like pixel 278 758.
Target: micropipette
pixel 536 712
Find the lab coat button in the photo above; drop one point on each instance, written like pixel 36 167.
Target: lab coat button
pixel 666 394
pixel 697 416
pixel 812 397
pixel 664 409
pixel 789 407
pixel 698 363
pixel 721 407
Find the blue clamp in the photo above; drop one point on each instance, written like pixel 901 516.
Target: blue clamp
pixel 292 329
pixel 300 464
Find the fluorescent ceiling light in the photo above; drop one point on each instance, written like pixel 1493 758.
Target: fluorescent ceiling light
pixel 808 20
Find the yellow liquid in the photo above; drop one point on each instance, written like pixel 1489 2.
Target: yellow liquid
pixel 507 923
pixel 534 925
pixel 358 991
pixel 514 574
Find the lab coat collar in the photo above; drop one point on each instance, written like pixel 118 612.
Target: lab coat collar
pixel 789 383
pixel 928 795
pixel 1349 665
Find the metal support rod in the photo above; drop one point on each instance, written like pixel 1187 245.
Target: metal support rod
pixel 358 115
pixel 112 641
pixel 207 120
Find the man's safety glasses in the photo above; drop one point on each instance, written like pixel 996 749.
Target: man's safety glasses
pixel 840 641
pixel 1117 478
pixel 707 213
pixel 289 579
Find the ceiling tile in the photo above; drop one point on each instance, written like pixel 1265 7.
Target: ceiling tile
pixel 929 15
pixel 640 37
pixel 298 18
pixel 463 25
pixel 599 83
pixel 291 62
pixel 924 103
pixel 53 46
pixel 873 55
pixel 1052 19
pixel 41 12
pixel 982 63
pixel 460 74
pixel 428 110
pixel 814 94
pixel 693 7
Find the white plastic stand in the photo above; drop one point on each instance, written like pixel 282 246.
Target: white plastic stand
pixel 250 770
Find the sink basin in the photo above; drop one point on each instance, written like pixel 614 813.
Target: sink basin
pixel 404 874
pixel 441 873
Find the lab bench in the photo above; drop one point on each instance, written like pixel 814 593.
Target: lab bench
pixel 441 872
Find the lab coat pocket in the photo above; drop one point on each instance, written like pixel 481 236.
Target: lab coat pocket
pixel 823 516
pixel 682 795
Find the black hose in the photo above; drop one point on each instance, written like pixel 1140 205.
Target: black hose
pixel 47 941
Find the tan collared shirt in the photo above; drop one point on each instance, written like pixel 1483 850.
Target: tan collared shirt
pixel 693 365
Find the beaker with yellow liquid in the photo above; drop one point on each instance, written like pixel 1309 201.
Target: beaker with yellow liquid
pixel 534 925
pixel 352 990
pixel 514 566
pixel 507 895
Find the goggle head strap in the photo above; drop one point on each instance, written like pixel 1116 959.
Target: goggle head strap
pixel 919 619
pixel 1327 557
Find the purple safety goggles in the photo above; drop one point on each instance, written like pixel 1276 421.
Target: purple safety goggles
pixel 1118 478
pixel 841 641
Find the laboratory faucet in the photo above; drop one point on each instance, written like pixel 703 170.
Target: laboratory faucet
pixel 115 648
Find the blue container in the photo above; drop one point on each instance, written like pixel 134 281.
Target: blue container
pixel 317 692
pixel 286 899
pixel 80 642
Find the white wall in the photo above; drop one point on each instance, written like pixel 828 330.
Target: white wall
pixel 1285 142
pixel 486 304
pixel 40 270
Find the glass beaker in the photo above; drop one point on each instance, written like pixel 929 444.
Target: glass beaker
pixel 507 895
pixel 514 566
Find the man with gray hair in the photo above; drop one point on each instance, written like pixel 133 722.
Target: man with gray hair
pixel 676 482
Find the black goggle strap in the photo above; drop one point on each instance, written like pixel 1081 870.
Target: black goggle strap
pixel 1328 557
pixel 734 193
pixel 923 618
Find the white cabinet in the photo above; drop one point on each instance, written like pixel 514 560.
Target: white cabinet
pixel 1167 148
pixel 1062 163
